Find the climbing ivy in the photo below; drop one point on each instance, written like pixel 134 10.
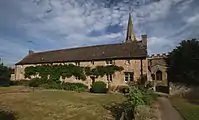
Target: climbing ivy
pixel 54 72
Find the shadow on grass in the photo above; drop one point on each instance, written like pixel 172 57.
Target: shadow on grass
pixel 119 111
pixel 7 115
pixel 192 96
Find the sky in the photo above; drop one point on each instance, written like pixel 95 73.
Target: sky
pixel 42 25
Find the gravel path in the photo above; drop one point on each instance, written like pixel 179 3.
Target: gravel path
pixel 168 112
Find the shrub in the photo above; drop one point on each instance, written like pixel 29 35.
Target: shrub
pixel 4 82
pixel 138 96
pixel 51 85
pixel 5 74
pixel 74 86
pixel 98 87
pixel 124 89
pixel 36 82
pixel 7 115
pixel 21 82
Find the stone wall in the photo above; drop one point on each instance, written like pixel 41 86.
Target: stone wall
pixel 118 78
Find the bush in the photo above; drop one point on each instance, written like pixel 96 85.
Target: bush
pixel 51 85
pixel 5 74
pixel 124 89
pixel 21 82
pixel 74 86
pixel 98 87
pixel 54 84
pixel 36 82
pixel 7 115
pixel 4 82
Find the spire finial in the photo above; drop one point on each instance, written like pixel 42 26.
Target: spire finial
pixel 130 33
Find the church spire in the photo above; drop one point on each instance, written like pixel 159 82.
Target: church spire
pixel 130 36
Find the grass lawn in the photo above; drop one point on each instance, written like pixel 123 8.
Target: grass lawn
pixel 57 104
pixel 187 109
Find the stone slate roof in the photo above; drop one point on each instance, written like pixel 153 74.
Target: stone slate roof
pixel 99 52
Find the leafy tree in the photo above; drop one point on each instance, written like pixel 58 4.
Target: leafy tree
pixel 5 73
pixel 183 63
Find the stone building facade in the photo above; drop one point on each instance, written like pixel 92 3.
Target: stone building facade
pixel 131 54
pixel 157 69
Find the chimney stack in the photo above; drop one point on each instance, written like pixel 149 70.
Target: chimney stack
pixel 144 40
pixel 30 52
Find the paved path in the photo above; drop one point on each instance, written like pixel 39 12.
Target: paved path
pixel 168 112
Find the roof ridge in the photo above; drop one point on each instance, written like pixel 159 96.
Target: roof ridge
pixel 75 48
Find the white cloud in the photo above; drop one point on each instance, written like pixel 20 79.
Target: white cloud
pixel 194 20
pixel 70 22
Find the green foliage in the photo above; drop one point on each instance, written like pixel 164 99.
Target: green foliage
pixel 183 63
pixel 4 75
pixel 137 96
pixel 100 71
pixel 21 82
pixel 54 72
pixel 74 86
pixel 124 89
pixel 51 84
pixel 98 87
pixel 36 82
pixel 7 115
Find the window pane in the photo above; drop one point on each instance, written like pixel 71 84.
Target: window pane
pixel 107 77
pixel 110 77
pixel 131 76
pixel 126 76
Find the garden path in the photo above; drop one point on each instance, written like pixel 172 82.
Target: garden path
pixel 168 112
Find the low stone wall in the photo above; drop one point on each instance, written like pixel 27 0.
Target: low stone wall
pixel 190 92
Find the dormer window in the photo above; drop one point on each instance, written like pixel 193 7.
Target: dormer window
pixel 128 62
pixel 110 62
pixel 92 62
pixel 77 63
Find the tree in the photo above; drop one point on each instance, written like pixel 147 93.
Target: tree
pixel 183 63
pixel 5 73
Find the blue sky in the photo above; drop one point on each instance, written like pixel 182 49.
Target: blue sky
pixel 42 25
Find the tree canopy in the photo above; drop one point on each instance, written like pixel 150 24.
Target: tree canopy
pixel 5 72
pixel 183 63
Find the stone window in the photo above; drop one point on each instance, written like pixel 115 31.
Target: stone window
pixel 128 76
pixel 128 62
pixel 159 75
pixel 109 77
pixel 77 63
pixel 92 62
pixel 110 62
pixel 77 78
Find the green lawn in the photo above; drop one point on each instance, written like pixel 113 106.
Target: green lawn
pixel 187 109
pixel 57 104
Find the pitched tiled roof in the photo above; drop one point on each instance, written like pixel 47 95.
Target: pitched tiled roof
pixel 98 52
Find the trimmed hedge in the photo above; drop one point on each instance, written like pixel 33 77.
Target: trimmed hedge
pixel 51 84
pixel 98 87
pixel 74 86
